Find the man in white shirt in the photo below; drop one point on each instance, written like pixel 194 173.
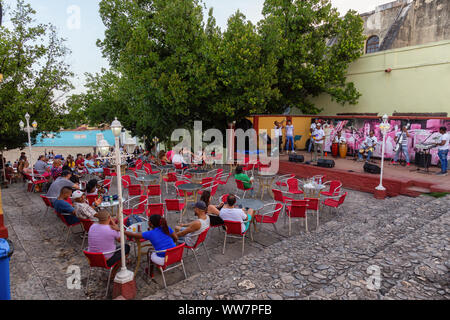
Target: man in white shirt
pixel 369 145
pixel 319 137
pixel 339 138
pixel 230 213
pixel 290 136
pixel 279 134
pixel 443 147
pixel 178 158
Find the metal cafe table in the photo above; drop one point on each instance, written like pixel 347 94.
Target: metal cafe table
pixel 189 187
pixel 139 227
pixel 254 204
pixel 265 182
pixel 198 174
pixel 147 179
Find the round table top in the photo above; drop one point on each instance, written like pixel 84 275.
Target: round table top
pixel 107 204
pixel 254 204
pixel 150 177
pixel 134 227
pixel 266 174
pixel 166 166
pixel 199 171
pixel 190 186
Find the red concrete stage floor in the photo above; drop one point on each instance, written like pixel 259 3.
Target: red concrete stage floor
pixel 396 179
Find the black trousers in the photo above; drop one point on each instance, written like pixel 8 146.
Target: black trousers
pixel 116 257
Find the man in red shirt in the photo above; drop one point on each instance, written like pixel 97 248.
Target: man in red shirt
pixel 79 162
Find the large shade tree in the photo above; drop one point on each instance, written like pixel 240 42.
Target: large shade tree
pixel 32 61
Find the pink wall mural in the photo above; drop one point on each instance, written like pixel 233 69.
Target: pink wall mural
pixel 356 130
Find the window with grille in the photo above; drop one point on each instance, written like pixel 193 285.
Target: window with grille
pixel 372 44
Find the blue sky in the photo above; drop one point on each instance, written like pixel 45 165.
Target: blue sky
pixel 86 57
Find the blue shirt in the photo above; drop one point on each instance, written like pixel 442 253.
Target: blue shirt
pixel 62 206
pixel 159 240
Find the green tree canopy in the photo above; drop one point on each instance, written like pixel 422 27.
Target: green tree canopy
pixel 32 63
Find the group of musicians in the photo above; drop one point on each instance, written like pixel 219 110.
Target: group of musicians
pixel 339 145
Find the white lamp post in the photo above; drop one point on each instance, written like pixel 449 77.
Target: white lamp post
pixel 124 275
pixel 384 127
pixel 28 130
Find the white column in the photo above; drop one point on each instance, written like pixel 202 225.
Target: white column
pixel 380 186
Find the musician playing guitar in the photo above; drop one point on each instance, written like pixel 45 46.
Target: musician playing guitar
pixel 401 138
pixel 368 146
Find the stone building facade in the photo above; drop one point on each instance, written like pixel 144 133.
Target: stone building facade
pixel 404 23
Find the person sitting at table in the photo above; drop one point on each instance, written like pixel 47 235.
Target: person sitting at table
pixel 162 158
pixel 63 181
pixel 62 205
pixel 70 162
pixel 231 213
pixel 91 187
pixel 9 173
pixel 102 237
pixel 90 165
pixel 161 236
pixel 189 232
pixel 212 211
pixel 24 166
pixel 179 159
pixel 82 208
pixel 56 169
pixel 41 166
pixel 79 163
pixel 246 180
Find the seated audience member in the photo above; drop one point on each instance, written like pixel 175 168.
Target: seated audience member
pixel 70 162
pixel 212 211
pixel 91 188
pixel 246 180
pixel 102 237
pixel 179 159
pixel 90 165
pixel 79 163
pixel 59 183
pixel 56 169
pixel 162 158
pixel 189 232
pixel 24 166
pixel 231 213
pixel 62 206
pixel 161 236
pixel 82 208
pixel 42 167
pixel 9 172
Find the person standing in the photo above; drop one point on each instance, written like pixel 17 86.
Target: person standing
pixel 290 136
pixel 403 146
pixel 319 137
pixel 443 147
pixel 279 134
pixel 312 128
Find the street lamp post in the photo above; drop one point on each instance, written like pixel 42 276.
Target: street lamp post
pixel 384 127
pixel 28 130
pixel 124 278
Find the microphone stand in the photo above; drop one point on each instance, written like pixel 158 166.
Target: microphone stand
pixel 426 164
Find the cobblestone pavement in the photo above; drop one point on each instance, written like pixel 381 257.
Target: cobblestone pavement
pixel 407 239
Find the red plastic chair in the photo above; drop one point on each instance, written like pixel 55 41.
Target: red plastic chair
pixel 155 208
pixel 271 216
pixel 98 260
pixel 86 224
pixel 91 198
pixel 108 173
pixel 47 202
pixel 154 191
pixel 234 230
pixel 220 178
pixel 297 209
pixel 223 198
pixel 200 241
pixel 173 259
pixel 106 184
pixel 313 205
pixel 335 202
pixel 69 227
pixel 180 193
pixel 149 169
pixel 293 186
pixel 282 180
pixel 175 205
pixel 138 208
pixel 170 179
pixel 138 166
pixel 126 181
pixel 38 180
pixel 135 190
pixel 240 186
pixel 335 188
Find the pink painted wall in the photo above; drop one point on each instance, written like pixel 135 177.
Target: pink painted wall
pixel 355 131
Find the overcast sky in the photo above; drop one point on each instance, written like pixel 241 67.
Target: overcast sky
pixel 81 37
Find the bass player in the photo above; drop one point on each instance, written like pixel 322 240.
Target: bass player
pixel 401 140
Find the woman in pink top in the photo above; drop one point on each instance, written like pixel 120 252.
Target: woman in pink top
pixel 169 155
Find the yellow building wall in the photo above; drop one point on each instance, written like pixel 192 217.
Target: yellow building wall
pixel 419 81
pixel 301 127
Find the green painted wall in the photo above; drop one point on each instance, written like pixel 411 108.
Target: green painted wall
pixel 419 81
